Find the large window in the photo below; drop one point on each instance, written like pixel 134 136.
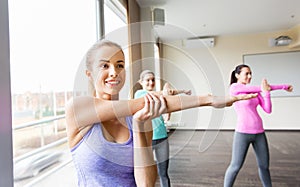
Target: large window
pixel 115 25
pixel 114 17
pixel 48 39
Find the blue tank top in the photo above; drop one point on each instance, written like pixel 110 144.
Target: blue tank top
pixel 99 162
pixel 158 124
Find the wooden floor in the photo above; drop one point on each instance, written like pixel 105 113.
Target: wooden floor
pixel 200 158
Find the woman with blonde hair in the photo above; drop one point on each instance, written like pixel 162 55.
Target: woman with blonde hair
pixel 107 136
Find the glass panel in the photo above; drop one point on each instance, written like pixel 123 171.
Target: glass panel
pixel 48 39
pixel 112 20
pixel 116 30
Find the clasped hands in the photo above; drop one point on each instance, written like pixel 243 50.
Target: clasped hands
pixel 155 105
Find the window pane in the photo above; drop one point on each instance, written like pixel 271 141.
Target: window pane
pixel 112 21
pixel 116 30
pixel 48 39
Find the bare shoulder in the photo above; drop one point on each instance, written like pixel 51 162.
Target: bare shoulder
pixel 74 132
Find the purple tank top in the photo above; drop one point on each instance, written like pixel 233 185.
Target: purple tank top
pixel 99 162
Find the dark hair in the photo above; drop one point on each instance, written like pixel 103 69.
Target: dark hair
pixel 237 70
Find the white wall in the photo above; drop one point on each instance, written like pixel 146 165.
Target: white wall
pixel 194 69
pixel 207 70
pixel 184 70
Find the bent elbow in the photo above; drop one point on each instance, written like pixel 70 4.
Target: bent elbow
pixel 268 111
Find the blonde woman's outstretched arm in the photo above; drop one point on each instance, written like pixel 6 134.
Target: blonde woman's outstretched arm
pixel 82 112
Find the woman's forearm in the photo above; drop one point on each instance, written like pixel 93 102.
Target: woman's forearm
pixel 244 89
pixel 265 102
pixel 145 170
pixel 176 103
pixel 279 87
pixel 90 110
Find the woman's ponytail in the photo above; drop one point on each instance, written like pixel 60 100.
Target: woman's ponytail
pixel 237 70
pixel 233 78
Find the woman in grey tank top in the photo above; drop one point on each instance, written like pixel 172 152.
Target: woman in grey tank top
pixel 108 147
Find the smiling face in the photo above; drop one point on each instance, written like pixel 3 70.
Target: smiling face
pixel 148 82
pixel 244 77
pixel 107 71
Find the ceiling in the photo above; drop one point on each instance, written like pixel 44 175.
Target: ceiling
pixel 202 18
